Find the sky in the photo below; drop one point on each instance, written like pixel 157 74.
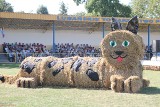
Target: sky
pixel 30 6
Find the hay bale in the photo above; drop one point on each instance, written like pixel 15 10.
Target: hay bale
pixel 114 42
pixel 117 83
pixel 86 74
pixel 26 82
pixel 10 79
pixel 56 71
pixel 133 84
pixel 146 83
pixel 2 79
pixel 151 67
pixel 121 52
pixel 30 67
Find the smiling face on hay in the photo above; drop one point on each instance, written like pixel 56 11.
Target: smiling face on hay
pixel 120 47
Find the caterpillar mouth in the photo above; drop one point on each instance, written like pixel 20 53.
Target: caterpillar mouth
pixel 119 58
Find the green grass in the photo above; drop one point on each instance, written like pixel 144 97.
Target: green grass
pixel 10 96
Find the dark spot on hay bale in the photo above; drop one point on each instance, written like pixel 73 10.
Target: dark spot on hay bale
pixel 54 73
pixel 115 87
pixel 75 66
pixel 19 83
pixel 123 86
pixel 130 85
pixel 24 82
pixel 2 78
pixel 29 86
pixel 92 75
pixel 28 67
pixel 37 60
pixel 51 64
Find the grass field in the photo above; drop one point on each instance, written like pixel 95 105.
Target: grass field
pixel 10 96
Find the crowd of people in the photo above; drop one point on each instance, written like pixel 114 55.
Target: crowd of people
pixel 148 52
pixel 23 50
pixel 68 50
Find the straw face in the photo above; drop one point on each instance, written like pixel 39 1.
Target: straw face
pixel 121 48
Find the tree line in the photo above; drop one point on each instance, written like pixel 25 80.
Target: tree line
pixel 103 8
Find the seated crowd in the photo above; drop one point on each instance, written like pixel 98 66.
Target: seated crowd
pixel 68 50
pixel 22 50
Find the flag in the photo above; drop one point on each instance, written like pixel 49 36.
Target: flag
pixel 2 32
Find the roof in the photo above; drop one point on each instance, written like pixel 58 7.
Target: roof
pixel 41 21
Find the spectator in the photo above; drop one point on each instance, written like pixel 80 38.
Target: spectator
pixel 62 50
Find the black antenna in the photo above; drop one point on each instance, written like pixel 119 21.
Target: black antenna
pixel 115 25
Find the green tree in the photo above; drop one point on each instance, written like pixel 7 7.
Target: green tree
pixel 42 10
pixel 79 1
pixel 139 8
pixel 146 8
pixel 108 8
pixel 80 14
pixel 5 7
pixel 63 9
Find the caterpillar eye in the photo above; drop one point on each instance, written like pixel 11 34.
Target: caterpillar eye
pixel 113 43
pixel 125 43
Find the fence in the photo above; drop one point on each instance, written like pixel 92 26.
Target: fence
pixel 17 58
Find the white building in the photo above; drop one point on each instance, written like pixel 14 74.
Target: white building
pixel 49 29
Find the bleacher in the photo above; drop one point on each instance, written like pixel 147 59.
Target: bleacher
pixel 16 52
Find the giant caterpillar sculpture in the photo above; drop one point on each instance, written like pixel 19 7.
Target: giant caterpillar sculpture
pixel 119 67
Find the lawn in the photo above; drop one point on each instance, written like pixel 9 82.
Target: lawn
pixel 10 96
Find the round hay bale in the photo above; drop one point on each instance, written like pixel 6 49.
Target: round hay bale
pixel 56 71
pixel 30 67
pixel 86 73
pixel 122 48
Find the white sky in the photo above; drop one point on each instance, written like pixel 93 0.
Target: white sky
pixel 30 6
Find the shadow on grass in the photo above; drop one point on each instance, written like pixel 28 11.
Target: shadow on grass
pixel 9 66
pixel 71 87
pixel 147 91
pixel 150 90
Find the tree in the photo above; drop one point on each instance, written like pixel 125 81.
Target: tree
pixel 42 10
pixel 139 8
pixel 63 9
pixel 108 8
pixel 5 7
pixel 79 1
pixel 146 8
pixel 80 14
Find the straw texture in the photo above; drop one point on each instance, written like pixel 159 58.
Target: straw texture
pixel 119 67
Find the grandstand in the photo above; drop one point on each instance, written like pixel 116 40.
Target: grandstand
pixel 51 30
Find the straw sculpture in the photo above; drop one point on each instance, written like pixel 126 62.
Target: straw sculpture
pixel 118 69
